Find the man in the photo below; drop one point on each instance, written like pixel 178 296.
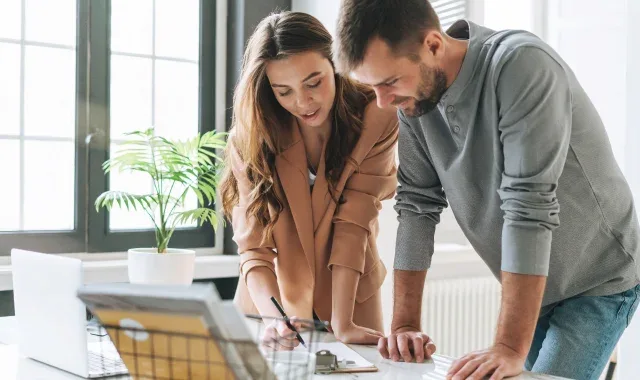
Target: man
pixel 498 122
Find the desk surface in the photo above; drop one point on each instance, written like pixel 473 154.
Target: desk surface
pixel 15 367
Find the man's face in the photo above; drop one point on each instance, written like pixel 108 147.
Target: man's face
pixel 411 82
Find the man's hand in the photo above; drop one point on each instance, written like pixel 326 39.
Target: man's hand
pixel 499 360
pixel 406 344
pixel 406 341
pixel 521 299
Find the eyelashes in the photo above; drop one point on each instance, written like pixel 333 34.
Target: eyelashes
pixel 316 84
pixel 312 85
pixel 391 83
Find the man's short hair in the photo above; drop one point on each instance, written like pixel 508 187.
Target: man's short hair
pixel 399 23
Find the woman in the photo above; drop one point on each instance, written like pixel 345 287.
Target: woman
pixel 310 157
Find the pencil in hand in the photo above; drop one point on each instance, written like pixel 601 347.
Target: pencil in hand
pixel 286 320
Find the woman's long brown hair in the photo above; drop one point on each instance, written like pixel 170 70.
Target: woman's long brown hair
pixel 258 118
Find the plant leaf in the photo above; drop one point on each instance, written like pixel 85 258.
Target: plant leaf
pixel 200 215
pixel 176 166
pixel 110 198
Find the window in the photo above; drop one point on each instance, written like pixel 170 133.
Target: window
pixel 75 76
pixel 449 11
pixel 37 113
pixel 154 81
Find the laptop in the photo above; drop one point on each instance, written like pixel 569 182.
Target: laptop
pixel 52 320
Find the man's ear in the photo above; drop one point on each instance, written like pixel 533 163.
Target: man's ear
pixel 433 44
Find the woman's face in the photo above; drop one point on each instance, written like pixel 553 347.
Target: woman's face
pixel 304 85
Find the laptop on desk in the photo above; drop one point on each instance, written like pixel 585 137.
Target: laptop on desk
pixel 52 320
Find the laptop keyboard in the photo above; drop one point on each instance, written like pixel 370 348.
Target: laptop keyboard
pixel 103 364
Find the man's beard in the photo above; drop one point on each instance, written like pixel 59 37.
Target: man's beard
pixel 433 84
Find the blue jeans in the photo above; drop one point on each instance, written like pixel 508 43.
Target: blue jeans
pixel 575 337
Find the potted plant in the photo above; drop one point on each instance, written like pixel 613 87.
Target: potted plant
pixel 176 169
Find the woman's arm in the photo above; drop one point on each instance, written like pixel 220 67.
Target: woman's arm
pixel 262 285
pixel 344 285
pixel 374 181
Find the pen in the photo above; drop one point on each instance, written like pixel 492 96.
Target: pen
pixel 286 320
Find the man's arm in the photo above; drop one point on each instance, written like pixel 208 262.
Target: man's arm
pixel 521 300
pixel 536 108
pixel 408 287
pixel 406 341
pixel 419 201
pixel 535 104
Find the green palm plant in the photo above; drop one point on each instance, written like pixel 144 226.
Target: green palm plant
pixel 176 168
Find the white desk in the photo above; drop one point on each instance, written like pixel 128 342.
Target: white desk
pixel 14 367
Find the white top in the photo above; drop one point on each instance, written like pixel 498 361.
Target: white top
pixel 312 178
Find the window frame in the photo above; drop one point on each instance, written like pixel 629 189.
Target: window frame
pixel 92 141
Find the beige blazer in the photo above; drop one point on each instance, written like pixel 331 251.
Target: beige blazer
pixel 313 233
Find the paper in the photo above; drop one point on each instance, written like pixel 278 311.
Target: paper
pixel 347 358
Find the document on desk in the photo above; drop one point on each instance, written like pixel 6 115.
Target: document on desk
pixel 348 359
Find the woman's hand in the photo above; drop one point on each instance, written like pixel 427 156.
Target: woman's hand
pixel 279 337
pixel 354 334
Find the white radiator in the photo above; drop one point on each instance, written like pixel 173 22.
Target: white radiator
pixel 460 314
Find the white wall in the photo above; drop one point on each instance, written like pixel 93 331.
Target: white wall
pixel 632 153
pixel 324 10
pixel 510 14
pixel 629 346
pixel 603 49
pixel 592 39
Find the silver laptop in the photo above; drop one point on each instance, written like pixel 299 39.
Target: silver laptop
pixel 52 320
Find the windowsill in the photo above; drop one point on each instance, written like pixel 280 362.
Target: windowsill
pixel 450 260
pixel 112 267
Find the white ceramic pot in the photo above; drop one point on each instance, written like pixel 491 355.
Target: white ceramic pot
pixel 147 266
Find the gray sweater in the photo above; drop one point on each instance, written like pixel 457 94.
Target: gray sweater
pixel 521 155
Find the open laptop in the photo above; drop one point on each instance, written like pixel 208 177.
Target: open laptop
pixel 52 319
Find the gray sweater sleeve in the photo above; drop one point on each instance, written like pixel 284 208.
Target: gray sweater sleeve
pixel 419 201
pixel 534 99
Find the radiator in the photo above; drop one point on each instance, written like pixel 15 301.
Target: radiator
pixel 460 315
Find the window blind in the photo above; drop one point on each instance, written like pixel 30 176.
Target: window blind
pixel 449 11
